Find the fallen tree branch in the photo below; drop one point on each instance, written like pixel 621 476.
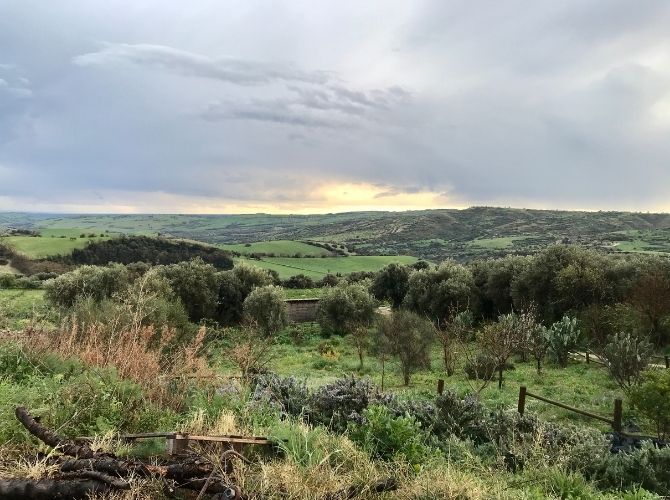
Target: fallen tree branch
pixel 48 489
pixel 49 437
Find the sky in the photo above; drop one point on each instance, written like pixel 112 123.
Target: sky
pixel 217 106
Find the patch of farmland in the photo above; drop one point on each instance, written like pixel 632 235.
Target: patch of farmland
pixel 317 268
pixel 56 243
pixel 278 247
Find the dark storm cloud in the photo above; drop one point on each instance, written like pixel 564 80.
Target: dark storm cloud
pixel 557 104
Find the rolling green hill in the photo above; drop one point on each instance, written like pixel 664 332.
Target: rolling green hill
pixel 279 248
pixel 431 234
pixel 317 268
pixel 49 243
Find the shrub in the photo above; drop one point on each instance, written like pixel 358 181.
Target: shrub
pixel 230 299
pixel 652 399
pixel 265 307
pixel 288 394
pixel 647 467
pixel 299 281
pixel 95 282
pixel 626 356
pixel 563 337
pixel 338 403
pixel 464 417
pixel 389 437
pixel 195 284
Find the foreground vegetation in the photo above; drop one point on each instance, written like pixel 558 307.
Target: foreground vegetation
pixel 165 342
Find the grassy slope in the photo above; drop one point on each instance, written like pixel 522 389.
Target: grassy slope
pixel 50 243
pixel 317 268
pixel 18 306
pixel 278 247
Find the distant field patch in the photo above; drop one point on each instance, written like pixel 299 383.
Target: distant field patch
pixel 496 243
pixel 303 293
pixel 277 247
pixel 51 242
pixel 317 268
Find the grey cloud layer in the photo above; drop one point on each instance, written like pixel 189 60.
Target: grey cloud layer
pixel 555 103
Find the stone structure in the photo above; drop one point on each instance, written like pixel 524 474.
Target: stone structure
pixel 302 310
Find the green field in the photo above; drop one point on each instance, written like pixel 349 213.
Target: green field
pixel 50 242
pixel 496 243
pixel 317 268
pixel 278 247
pixel 585 386
pixel 19 307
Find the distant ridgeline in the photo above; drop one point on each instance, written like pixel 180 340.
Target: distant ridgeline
pixel 129 249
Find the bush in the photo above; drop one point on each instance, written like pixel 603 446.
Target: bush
pixel 647 467
pixel 95 282
pixel 563 337
pixel 626 356
pixel 265 307
pixel 195 284
pixel 335 405
pixel 652 399
pixel 299 281
pixel 389 437
pixel 288 394
pixel 464 417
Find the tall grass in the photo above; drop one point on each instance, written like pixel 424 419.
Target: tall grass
pixel 164 374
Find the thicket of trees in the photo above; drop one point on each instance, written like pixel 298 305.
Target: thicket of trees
pixel 161 251
pixel 606 293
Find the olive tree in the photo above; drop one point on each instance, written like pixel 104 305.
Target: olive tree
pixel 392 283
pixel 348 308
pixel 94 282
pixel 195 284
pixel 266 308
pixel 408 337
pixel 435 293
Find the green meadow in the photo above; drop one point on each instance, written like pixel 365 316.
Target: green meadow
pixel 317 268
pixel 52 242
pixel 278 247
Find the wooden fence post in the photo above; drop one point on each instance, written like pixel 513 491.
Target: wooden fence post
pixel 588 358
pixel 667 362
pixel 440 386
pixel 618 411
pixel 522 399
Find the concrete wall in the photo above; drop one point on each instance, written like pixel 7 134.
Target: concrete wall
pixel 302 310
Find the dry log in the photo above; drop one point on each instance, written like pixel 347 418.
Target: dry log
pixel 89 473
pixel 49 437
pixel 49 489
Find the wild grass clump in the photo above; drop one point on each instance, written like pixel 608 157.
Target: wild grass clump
pixel 134 354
